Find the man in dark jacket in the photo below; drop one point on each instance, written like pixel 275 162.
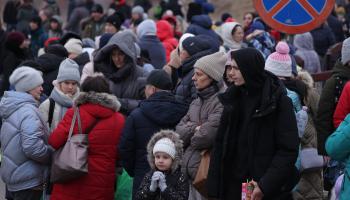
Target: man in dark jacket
pixel 258 138
pixel 159 111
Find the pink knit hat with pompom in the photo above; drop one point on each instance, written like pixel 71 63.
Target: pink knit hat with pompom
pixel 279 63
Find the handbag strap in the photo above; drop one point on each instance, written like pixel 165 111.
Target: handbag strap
pixel 75 116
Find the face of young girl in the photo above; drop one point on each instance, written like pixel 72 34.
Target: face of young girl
pixel 69 87
pixel 163 161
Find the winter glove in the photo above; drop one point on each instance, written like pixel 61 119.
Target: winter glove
pixel 162 183
pixel 154 180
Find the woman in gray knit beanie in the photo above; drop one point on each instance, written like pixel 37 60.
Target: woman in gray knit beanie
pixel 65 90
pixel 199 126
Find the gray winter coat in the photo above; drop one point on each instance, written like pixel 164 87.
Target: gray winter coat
pixel 205 111
pixel 24 144
pixel 128 82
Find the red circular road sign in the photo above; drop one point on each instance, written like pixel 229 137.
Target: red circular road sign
pixel 294 16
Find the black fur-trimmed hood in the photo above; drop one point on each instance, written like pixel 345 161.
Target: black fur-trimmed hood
pixel 173 136
pixel 103 99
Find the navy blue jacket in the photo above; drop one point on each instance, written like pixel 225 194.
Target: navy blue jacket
pixel 201 25
pixel 323 39
pixel 156 50
pixel 160 111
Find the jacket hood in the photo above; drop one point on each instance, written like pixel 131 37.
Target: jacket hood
pixel 147 27
pixel 124 40
pixel 173 136
pixel 340 69
pixel 226 34
pixel 304 41
pixel 49 62
pixel 12 101
pixel 163 109
pixel 306 78
pixel 202 20
pixel 58 19
pixel 297 86
pixel 164 30
pixel 103 99
pixel 251 63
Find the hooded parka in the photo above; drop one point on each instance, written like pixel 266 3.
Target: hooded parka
pixel 257 137
pixel 128 82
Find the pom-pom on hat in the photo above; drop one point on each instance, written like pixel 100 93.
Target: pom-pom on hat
pixel 280 63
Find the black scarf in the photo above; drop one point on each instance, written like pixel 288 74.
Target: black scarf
pixel 113 73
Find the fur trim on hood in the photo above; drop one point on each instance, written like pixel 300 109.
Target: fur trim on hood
pixel 173 136
pixel 103 99
pixel 306 78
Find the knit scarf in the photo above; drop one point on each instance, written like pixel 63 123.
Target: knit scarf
pixel 209 91
pixel 114 74
pixel 63 100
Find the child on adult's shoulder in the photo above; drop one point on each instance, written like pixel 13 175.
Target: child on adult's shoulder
pixel 165 180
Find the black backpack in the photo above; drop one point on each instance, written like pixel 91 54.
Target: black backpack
pixel 51 110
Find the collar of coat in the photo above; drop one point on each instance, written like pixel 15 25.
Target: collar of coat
pixel 272 90
pixel 103 99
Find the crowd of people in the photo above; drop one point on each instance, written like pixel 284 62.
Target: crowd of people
pixel 189 107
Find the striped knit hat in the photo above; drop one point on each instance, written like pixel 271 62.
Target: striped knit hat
pixel 280 63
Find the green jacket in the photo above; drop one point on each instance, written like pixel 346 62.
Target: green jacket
pixel 338 148
pixel 327 105
pixel 91 28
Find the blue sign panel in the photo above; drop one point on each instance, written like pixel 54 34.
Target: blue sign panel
pixel 294 16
